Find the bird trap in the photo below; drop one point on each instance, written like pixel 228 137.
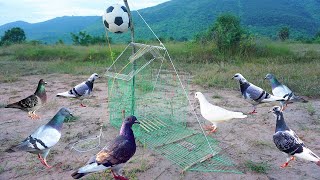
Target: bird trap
pixel 144 82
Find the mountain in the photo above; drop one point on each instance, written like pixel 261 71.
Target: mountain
pixel 182 19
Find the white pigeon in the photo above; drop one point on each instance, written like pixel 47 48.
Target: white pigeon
pixel 288 142
pixel 214 113
pixel 81 90
pixel 254 94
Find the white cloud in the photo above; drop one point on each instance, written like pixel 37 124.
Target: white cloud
pixel 33 11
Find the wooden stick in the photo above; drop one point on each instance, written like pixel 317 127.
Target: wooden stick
pixel 199 161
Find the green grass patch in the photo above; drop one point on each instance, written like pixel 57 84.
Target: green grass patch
pixel 71 119
pixel 258 167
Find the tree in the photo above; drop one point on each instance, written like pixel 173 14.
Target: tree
pixel 13 35
pixel 85 39
pixel 284 33
pixel 226 33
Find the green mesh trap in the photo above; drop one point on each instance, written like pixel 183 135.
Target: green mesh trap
pixel 146 85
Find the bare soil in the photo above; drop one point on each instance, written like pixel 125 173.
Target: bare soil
pixel 242 140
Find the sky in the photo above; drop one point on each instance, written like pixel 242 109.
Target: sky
pixel 34 11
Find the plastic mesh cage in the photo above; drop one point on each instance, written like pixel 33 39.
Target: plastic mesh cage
pixel 156 97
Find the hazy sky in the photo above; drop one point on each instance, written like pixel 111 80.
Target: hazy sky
pixel 33 11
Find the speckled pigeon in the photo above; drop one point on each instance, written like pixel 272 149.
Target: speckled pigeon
pixel 44 138
pixel 288 142
pixel 254 94
pixel 114 155
pixel 81 90
pixel 281 90
pixel 32 102
pixel 214 113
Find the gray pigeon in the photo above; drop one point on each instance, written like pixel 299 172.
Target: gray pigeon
pixel 81 90
pixel 32 102
pixel 114 155
pixel 281 90
pixel 254 94
pixel 288 142
pixel 44 138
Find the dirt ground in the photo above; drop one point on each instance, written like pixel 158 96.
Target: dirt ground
pixel 242 140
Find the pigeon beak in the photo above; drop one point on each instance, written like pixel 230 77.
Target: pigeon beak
pixel 71 115
pixel 270 111
pixel 45 83
pixel 232 77
pixel 136 122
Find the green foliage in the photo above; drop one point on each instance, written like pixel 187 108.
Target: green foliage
pixel 227 33
pixel 284 33
pixel 13 35
pixel 261 167
pixel 85 39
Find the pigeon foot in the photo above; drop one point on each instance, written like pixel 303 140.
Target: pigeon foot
pixel 33 116
pixel 284 165
pixel 118 177
pixel 253 112
pixel 43 161
pixel 82 105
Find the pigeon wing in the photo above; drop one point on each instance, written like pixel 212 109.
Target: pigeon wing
pixel 43 138
pixel 26 104
pixel 119 151
pixel 286 142
pixel 80 89
pixel 254 92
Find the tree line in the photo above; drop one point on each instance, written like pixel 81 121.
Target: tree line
pixel 226 32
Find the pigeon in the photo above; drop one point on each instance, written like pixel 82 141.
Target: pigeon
pixel 254 94
pixel 288 142
pixel 81 90
pixel 32 102
pixel 44 138
pixel 282 90
pixel 214 113
pixel 114 155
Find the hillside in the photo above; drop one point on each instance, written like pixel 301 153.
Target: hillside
pixel 182 19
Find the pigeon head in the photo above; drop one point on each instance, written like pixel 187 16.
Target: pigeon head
pixel 93 77
pixel 57 121
pixel 41 90
pixel 200 96
pixel 276 110
pixel 130 120
pixel 65 112
pixel 239 77
pixel 42 82
pixel 269 76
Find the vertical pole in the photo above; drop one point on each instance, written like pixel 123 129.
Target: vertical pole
pixel 134 62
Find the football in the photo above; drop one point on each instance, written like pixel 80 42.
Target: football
pixel 116 19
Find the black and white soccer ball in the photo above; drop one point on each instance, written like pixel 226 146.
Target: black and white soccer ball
pixel 116 18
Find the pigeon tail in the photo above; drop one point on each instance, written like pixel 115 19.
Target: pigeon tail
pixel 77 175
pixel 299 99
pixel 66 94
pixel 10 150
pixel 273 98
pixel 239 115
pixel 13 105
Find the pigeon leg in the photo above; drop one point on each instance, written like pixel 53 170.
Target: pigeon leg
pixel 118 177
pixel 290 158
pixel 34 115
pixel 43 161
pixel 82 105
pixel 253 112
pixel 213 130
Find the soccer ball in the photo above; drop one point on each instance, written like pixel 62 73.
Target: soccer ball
pixel 116 19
